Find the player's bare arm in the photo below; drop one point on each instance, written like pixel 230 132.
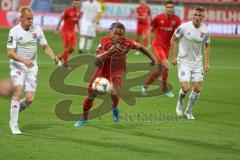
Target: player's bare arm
pixel 50 53
pixel 56 32
pixel 12 54
pixel 102 57
pixel 173 43
pixel 145 51
pixel 207 56
pixel 149 36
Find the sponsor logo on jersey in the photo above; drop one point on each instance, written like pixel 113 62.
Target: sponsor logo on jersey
pixel 10 40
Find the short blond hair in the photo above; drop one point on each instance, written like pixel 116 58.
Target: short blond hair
pixel 23 10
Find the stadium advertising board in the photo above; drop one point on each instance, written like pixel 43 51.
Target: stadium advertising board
pixel 221 22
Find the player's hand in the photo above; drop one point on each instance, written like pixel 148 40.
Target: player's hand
pixel 56 32
pixel 55 59
pixel 113 49
pixel 174 61
pixel 28 63
pixel 206 67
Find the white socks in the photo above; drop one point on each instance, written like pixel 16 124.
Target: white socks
pixel 192 99
pixel 14 111
pixel 181 96
pixel 82 43
pixel 89 45
pixel 88 42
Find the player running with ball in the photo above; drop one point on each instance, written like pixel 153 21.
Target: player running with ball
pixel 111 64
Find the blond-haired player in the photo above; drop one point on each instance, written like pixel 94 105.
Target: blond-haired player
pixel 22 51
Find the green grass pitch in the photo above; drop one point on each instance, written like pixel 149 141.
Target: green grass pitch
pixel 215 134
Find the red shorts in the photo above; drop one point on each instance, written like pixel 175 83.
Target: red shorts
pixel 142 29
pixel 160 52
pixel 69 39
pixel 115 79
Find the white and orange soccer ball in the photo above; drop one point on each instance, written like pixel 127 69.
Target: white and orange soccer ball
pixel 102 85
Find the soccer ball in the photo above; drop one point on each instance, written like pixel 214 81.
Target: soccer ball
pixel 102 85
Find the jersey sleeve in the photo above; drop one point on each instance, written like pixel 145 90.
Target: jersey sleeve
pixel 134 44
pixel 154 22
pixel 64 14
pixel 207 38
pixel 179 31
pixel 12 40
pixel 41 39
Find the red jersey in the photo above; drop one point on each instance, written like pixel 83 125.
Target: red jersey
pixel 116 63
pixel 143 11
pixel 164 28
pixel 70 18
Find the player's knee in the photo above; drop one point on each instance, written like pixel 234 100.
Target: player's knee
pixel 29 99
pixel 197 89
pixel 185 88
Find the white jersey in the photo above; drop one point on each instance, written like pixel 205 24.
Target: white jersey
pixel 90 10
pixel 191 42
pixel 25 42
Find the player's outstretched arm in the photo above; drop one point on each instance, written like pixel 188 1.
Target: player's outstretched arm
pixel 173 43
pixel 207 56
pixel 12 55
pixel 50 53
pixel 102 57
pixel 145 51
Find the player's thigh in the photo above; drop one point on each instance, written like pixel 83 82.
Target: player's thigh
pixel 159 53
pixel 31 79
pixel 184 73
pixel 29 96
pixel 91 33
pixel 17 75
pixel 66 39
pixel 73 40
pixel 6 88
pixel 197 73
pixel 185 86
pixel 196 86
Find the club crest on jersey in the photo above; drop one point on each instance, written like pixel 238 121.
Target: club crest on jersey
pixel 182 73
pixel 161 21
pixel 34 35
pixel 202 35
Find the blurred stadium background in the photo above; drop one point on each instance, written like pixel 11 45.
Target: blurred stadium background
pixel 223 16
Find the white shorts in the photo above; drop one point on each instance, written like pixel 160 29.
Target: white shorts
pixel 190 72
pixel 88 29
pixel 21 75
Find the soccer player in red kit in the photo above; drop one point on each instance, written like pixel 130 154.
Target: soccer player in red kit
pixel 143 13
pixel 70 19
pixel 163 25
pixel 111 63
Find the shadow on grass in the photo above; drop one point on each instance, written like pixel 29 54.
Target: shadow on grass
pixel 95 143
pixel 181 141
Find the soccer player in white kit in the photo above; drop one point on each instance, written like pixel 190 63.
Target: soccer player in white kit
pixel 193 37
pixel 22 50
pixel 91 14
